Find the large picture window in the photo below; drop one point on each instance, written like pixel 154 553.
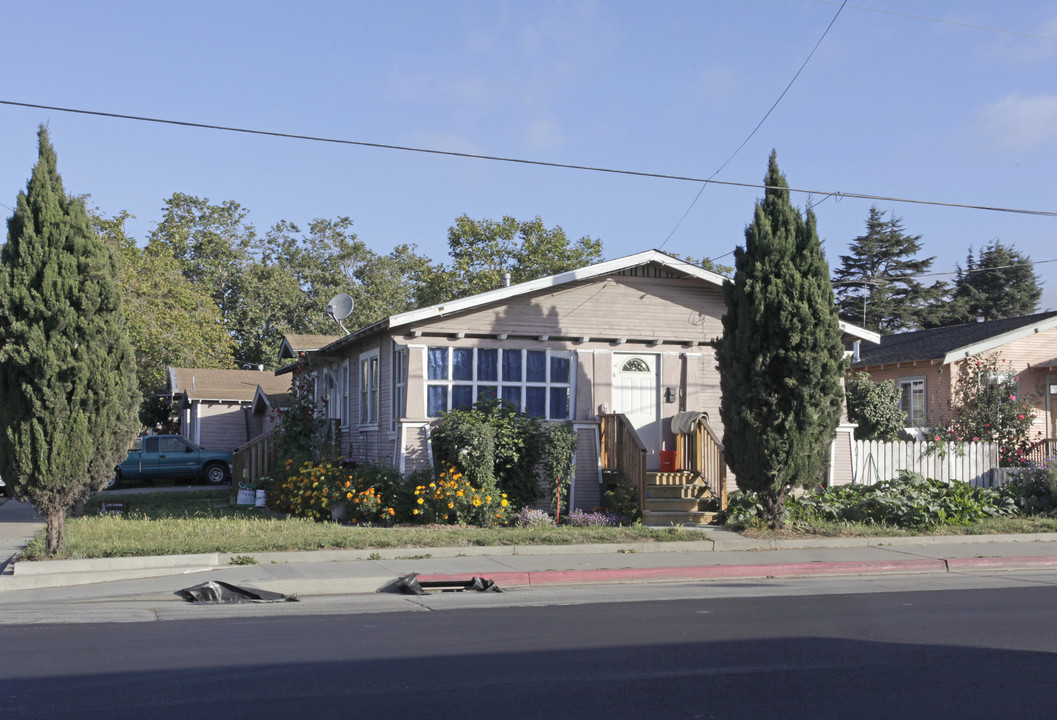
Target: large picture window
pixel 537 382
pixel 369 388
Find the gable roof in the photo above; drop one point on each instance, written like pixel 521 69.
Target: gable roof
pixel 264 401
pixel 620 265
pixel 224 385
pixel 295 344
pixel 947 344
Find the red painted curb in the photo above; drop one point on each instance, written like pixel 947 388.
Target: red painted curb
pixel 710 572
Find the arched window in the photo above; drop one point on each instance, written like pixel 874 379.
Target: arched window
pixel 635 365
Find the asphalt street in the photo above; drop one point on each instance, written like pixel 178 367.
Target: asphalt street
pixel 924 654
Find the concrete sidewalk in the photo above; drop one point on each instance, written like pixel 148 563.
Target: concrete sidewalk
pixel 719 554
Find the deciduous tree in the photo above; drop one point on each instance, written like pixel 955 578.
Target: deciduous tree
pixel 482 250
pixel 170 321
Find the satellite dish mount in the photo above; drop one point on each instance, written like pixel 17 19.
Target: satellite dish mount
pixel 339 308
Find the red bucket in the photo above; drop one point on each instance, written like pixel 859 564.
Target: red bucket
pixel 667 460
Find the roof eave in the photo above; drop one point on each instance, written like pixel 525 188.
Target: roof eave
pixel 999 340
pixel 861 333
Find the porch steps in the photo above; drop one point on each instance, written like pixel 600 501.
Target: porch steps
pixel 678 498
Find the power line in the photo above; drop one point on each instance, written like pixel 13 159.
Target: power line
pixel 944 22
pixel 970 271
pixel 758 126
pixel 521 161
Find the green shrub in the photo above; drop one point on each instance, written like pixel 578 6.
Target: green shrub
pixel 453 499
pixel 985 407
pixel 1034 488
pixel 493 441
pixel 559 450
pixel 369 493
pixel 623 500
pixel 875 407
pixel 909 501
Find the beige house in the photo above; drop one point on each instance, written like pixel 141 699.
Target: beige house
pixel 217 407
pixel 632 336
pixel 925 365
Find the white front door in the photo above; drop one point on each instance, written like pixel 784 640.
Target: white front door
pixel 636 391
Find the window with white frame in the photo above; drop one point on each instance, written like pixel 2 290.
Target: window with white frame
pixel 912 400
pixel 343 394
pixel 537 382
pixel 399 385
pixel 369 388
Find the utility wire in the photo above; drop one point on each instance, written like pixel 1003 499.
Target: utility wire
pixel 939 20
pixel 971 271
pixel 540 163
pixel 758 126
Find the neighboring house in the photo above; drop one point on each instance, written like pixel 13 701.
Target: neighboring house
pixel 925 364
pixel 294 345
pixel 632 336
pixel 216 407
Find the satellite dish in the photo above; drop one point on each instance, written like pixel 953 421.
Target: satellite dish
pixel 339 308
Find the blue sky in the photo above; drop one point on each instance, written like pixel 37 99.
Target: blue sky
pixel 925 100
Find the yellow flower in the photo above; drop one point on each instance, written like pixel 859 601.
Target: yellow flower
pixel 503 503
pixel 420 501
pixel 459 493
pixel 451 505
pixel 415 511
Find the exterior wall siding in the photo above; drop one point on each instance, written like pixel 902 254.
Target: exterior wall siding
pixel 1022 355
pixel 665 317
pixel 640 308
pixel 221 426
pixel 588 492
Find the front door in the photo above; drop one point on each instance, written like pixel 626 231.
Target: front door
pixel 636 390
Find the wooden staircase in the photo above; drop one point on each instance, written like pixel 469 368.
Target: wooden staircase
pixel 678 498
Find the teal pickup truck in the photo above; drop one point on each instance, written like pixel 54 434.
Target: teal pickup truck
pixel 171 456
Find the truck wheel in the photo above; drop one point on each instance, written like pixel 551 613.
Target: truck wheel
pixel 216 473
pixel 113 481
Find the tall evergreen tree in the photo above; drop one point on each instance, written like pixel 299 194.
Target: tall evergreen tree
pixel 67 375
pixel 875 283
pixel 780 358
pixel 1000 282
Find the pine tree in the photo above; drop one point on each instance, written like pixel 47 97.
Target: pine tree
pixel 875 284
pixel 780 358
pixel 67 376
pixel 999 283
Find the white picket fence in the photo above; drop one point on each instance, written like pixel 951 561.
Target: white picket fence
pixel 974 463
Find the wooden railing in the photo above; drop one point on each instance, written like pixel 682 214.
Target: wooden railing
pixel 701 452
pixel 252 461
pixel 623 451
pixel 1042 449
pixel 256 459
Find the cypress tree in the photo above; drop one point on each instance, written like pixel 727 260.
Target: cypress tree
pixel 67 376
pixel 780 358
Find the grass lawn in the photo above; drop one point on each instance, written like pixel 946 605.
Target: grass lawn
pixel 990 526
pixel 201 521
